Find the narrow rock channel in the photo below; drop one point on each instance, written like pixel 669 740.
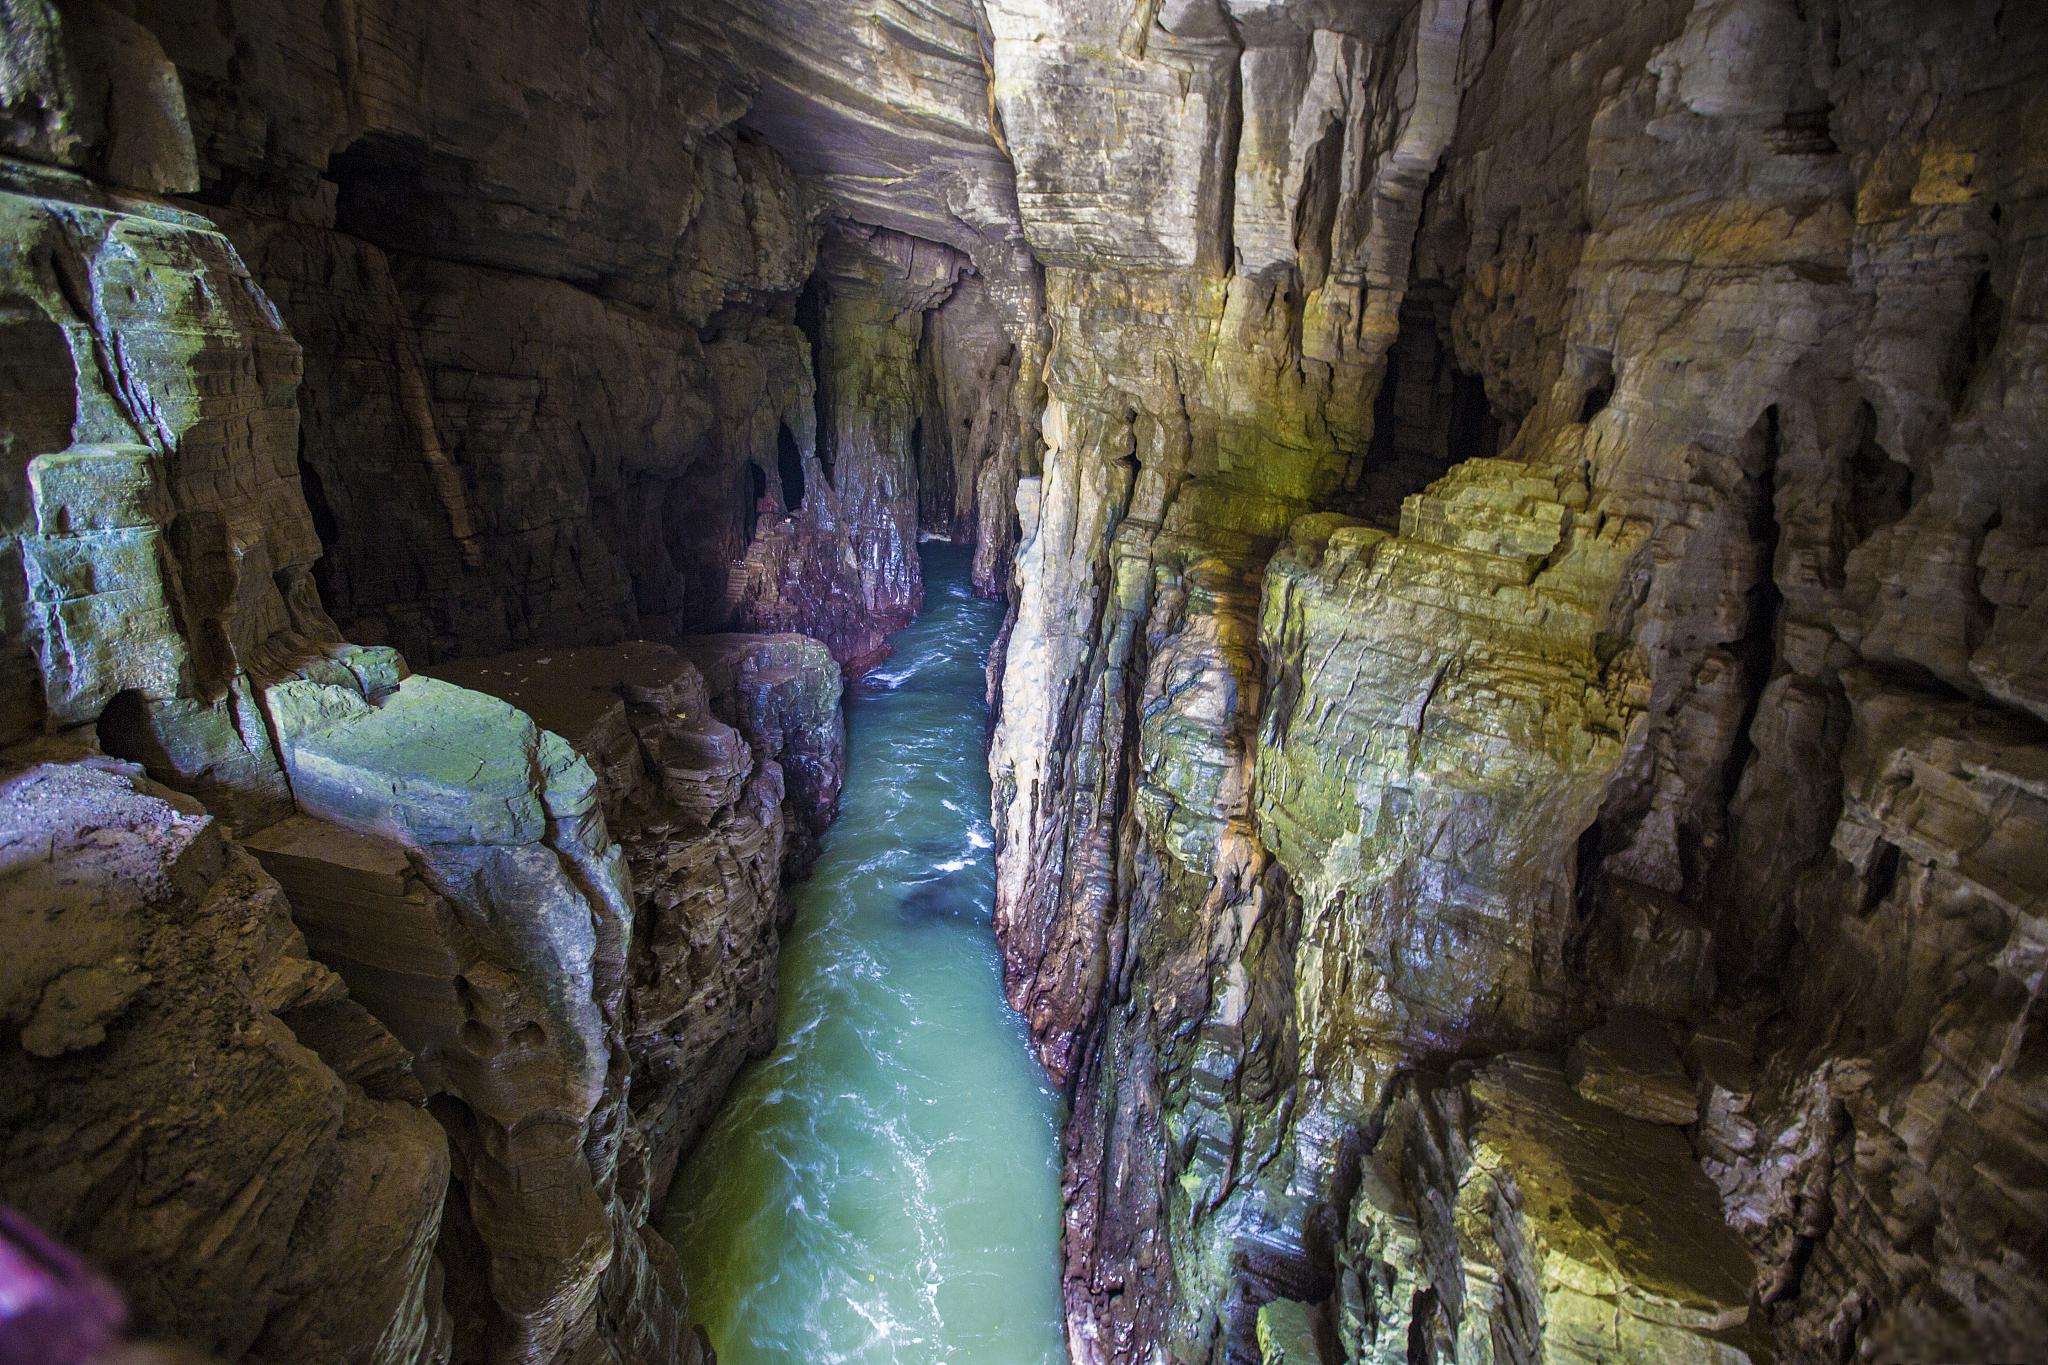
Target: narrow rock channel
pixel 884 1186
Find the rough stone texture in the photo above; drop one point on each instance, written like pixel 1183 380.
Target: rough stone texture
pixel 1500 1217
pixel 917 434
pixel 892 113
pixel 777 691
pixel 700 811
pixel 971 437
pixel 1903 1095
pixel 87 88
pixel 1539 518
pixel 523 963
pixel 578 388
pixel 1629 1065
pixel 837 554
pixel 161 591
pixel 562 468
pixel 513 364
pixel 155 534
pixel 1349 724
pixel 192 1099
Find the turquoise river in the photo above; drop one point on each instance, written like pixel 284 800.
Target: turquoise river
pixel 884 1186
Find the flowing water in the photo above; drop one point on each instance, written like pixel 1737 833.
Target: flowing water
pixel 884 1186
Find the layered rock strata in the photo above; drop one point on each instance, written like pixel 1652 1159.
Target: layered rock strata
pixel 557 436
pixel 1534 559
pixel 449 857
pixel 1309 775
pixel 581 392
pixel 498 955
pixel 891 114
pixel 709 817
pixel 1501 1216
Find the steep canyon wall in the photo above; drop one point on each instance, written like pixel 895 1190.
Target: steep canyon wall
pixel 1317 784
pixel 1519 776
pixel 436 363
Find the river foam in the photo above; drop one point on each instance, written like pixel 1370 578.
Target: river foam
pixel 883 1187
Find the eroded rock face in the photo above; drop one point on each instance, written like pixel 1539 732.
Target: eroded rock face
pixel 155 531
pixel 515 426
pixel 452 858
pixel 554 392
pixel 709 817
pixel 279 1195
pixel 1500 1216
pixel 838 551
pixel 1535 550
pixel 529 941
pixel 1322 757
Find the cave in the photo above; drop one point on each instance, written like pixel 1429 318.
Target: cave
pixel 1012 683
pixel 1428 413
pixel 789 467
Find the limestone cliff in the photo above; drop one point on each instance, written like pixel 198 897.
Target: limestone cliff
pixel 556 391
pixel 709 815
pixel 1512 471
pixel 489 974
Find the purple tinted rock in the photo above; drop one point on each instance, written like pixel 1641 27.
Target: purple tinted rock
pixel 53 1309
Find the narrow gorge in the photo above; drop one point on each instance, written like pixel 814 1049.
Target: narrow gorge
pixel 1170 683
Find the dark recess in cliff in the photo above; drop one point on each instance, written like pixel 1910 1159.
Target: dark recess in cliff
pixel 1428 414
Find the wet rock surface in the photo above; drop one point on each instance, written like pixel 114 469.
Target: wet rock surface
pixel 1500 1213
pixel 582 392
pixel 1346 728
pixel 451 857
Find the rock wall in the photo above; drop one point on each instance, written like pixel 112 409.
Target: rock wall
pixel 971 444
pixel 1310 774
pixel 474 1183
pixel 840 549
pixel 1526 570
pixel 710 815
pixel 548 313
pixel 284 1155
pixel 518 421
pixel 891 114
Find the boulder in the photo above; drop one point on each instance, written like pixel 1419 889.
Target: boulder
pixel 191 1099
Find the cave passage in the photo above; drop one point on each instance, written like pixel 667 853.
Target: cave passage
pixel 884 1185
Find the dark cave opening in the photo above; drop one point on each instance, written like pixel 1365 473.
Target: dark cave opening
pixel 1975 340
pixel 391 189
pixel 757 489
pixel 1597 378
pixel 1757 647
pixel 1879 489
pixel 1429 414
pixel 789 463
pixel 325 524
pixel 1881 880
pixel 810 320
pixel 123 730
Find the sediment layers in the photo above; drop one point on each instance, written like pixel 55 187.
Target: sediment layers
pixel 1348 730
pixel 1523 526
